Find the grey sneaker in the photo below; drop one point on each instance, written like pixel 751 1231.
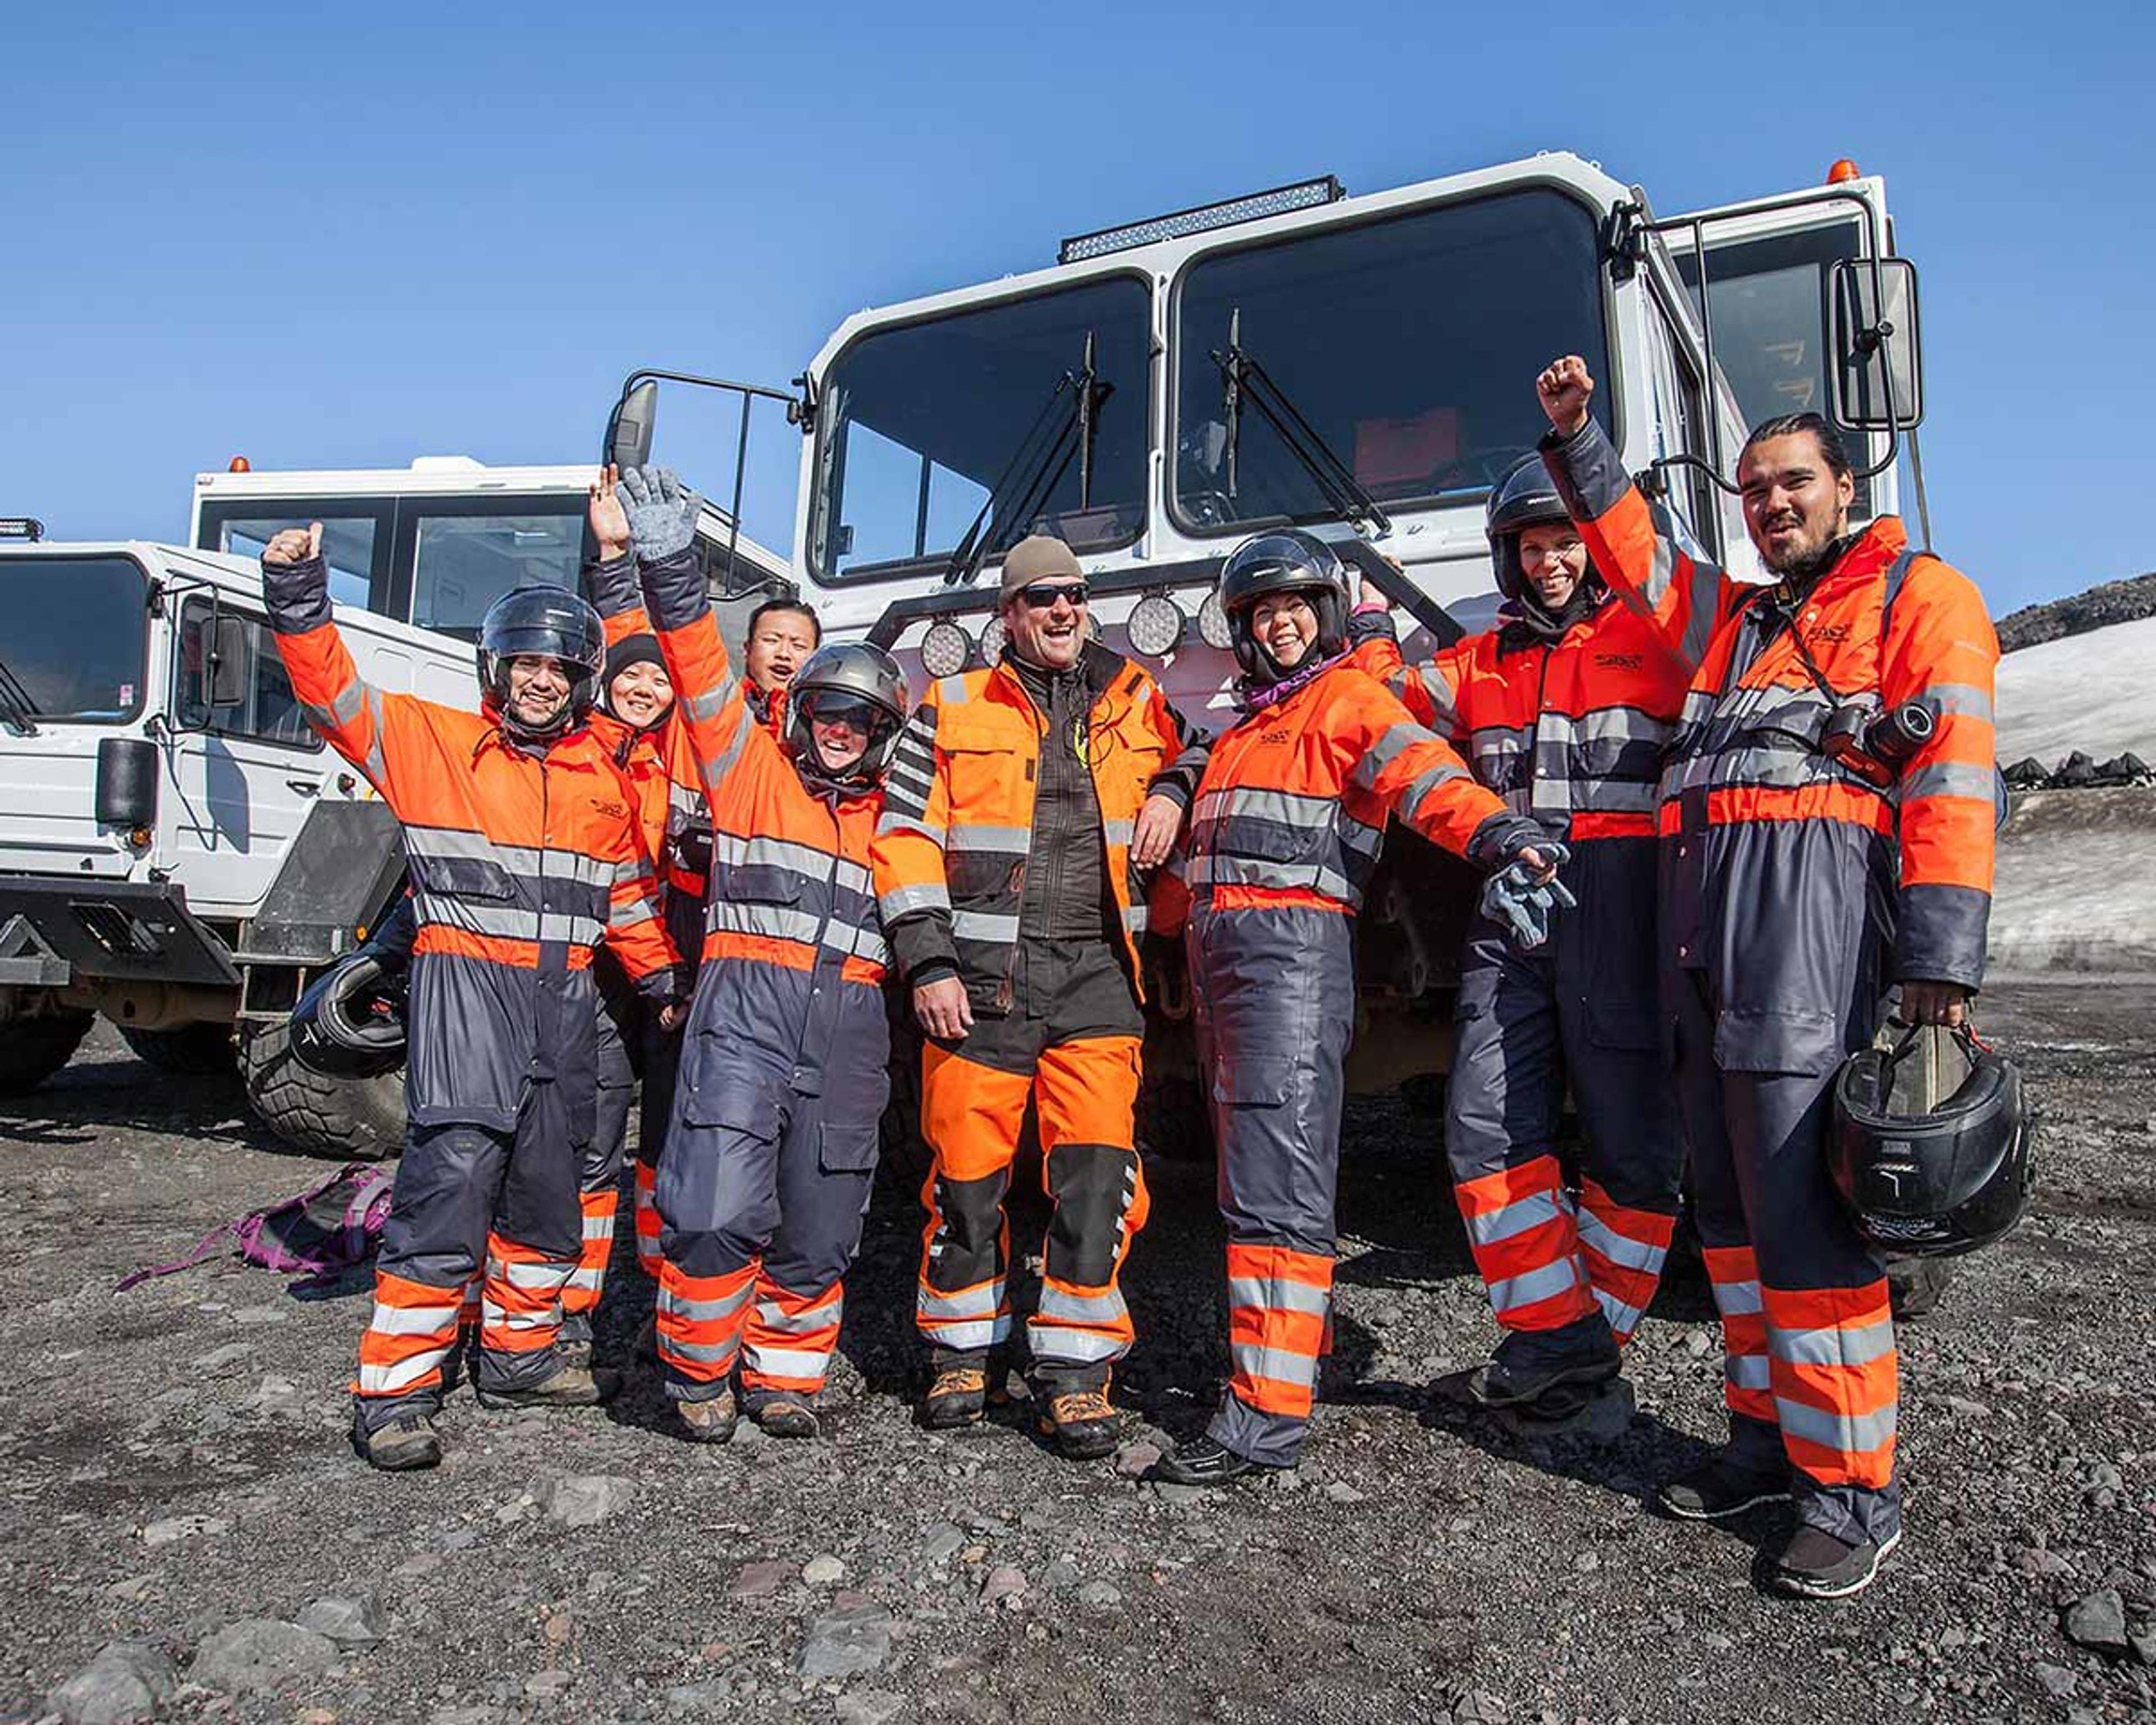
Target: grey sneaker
pixel 1721 1486
pixel 1815 1565
pixel 405 1445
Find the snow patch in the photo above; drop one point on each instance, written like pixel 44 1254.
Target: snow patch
pixel 2076 888
pixel 2095 692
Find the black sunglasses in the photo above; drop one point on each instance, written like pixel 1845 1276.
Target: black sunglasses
pixel 1042 595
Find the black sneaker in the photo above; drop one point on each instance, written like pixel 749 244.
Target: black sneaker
pixel 1720 1487
pixel 569 1387
pixel 405 1445
pixel 1200 1461
pixel 1815 1565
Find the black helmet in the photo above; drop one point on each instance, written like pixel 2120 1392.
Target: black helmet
pixel 1526 497
pixel 350 1024
pixel 1285 560
pixel 1931 1182
pixel 847 674
pixel 553 622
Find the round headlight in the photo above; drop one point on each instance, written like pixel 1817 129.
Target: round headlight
pixel 945 649
pixel 1212 622
pixel 1156 626
pixel 992 640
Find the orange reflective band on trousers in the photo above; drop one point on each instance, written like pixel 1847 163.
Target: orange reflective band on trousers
pixel 1624 1250
pixel 789 1339
pixel 1832 1365
pixel 1521 1229
pixel 648 1254
pixel 1280 1325
pixel 520 1299
pixel 700 1321
pixel 588 1280
pixel 410 1335
pixel 1733 1273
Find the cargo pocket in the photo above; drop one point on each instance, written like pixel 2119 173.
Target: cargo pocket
pixel 715 1090
pixel 849 1149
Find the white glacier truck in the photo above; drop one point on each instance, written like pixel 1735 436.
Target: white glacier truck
pixel 178 850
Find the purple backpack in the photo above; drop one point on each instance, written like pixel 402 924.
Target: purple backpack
pixel 325 1230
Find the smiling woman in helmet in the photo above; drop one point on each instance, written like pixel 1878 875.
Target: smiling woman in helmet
pixel 1284 832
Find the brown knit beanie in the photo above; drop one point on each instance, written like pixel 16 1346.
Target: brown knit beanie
pixel 1038 559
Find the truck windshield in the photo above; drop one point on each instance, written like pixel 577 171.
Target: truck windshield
pixel 1410 343
pixel 920 421
pixel 75 631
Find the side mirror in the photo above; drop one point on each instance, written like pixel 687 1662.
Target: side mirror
pixel 629 431
pixel 1875 345
pixel 224 667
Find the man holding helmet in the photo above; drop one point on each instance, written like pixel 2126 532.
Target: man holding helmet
pixel 1807 862
pixel 524 854
pixel 784 1064
pixel 1284 832
pixel 1563 710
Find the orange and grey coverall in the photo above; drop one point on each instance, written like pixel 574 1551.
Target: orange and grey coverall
pixel 1566 718
pixel 1793 892
pixel 1003 859
pixel 785 1060
pixel 523 859
pixel 1283 836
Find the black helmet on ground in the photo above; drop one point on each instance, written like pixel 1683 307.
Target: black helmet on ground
pixel 852 679
pixel 1526 497
pixel 350 1024
pixel 551 623
pixel 1285 560
pixel 1937 1182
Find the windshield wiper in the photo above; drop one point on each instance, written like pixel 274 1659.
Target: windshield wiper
pixel 1243 378
pixel 18 711
pixel 1065 428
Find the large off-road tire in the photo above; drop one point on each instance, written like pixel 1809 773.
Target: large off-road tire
pixel 32 1048
pixel 190 1051
pixel 362 1119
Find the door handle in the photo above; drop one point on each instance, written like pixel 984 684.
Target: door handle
pixel 304 787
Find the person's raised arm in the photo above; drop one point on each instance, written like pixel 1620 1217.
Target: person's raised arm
pixel 610 578
pixel 350 714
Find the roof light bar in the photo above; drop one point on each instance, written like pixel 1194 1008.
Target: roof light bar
pixel 1304 194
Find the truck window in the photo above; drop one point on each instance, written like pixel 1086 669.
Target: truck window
pixel 348 542
pixel 1410 343
pixel 271 712
pixel 921 420
pixel 466 554
pixel 1681 427
pixel 75 632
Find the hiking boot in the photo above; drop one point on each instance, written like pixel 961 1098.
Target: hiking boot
pixel 1200 1461
pixel 1815 1565
pixel 1721 1486
pixel 573 1346
pixel 1082 1424
pixel 784 1416
pixel 405 1445
pixel 710 1421
pixel 569 1387
pixel 958 1397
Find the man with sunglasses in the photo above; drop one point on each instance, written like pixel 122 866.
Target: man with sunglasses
pixel 1022 801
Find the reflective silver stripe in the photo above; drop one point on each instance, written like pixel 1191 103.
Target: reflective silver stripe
pixel 493 1316
pixel 388 1380
pixel 1542 1284
pixel 1532 1209
pixel 1277 1293
pixel 1395 741
pixel 819 1316
pixel 1615 796
pixel 1621 1318
pixel 456 844
pixel 1949 778
pixel 592 1279
pixel 967 1302
pixel 1118 832
pixel 978 926
pixel 806 860
pixel 1215 869
pixel 1004 841
pixel 591 870
pixel 903 776
pixel 629 913
pixel 1706 606
pixel 531 1278
pixel 713 773
pixel 1136 918
pixel 1856 1345
pixel 506 922
pixel 1051 1340
pixel 893 822
pixel 1061 1306
pixel 1277 1363
pixel 951 690
pixel 906 900
pixel 684 799
pixel 599 1227
pixel 771 922
pixel 377 767
pixel 1852 1434
pixel 706 706
pixel 677 1304
pixel 981 1332
pixel 807 1363
pixel 1425 785
pixel 1619 1248
pixel 1288 807
pixel 705 1353
pixel 1359 836
pixel 414 1320
pixel 1746 1371
pixel 1963 699
pixel 1737 1299
pixel 1601 725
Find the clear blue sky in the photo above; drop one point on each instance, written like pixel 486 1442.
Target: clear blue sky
pixel 329 242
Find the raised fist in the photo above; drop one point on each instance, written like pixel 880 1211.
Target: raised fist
pixel 289 545
pixel 1565 389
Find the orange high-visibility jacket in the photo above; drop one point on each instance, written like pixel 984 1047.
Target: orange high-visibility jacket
pixel 958 825
pixel 523 860
pixel 1744 774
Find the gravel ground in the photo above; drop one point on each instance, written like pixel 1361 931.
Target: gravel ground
pixel 176 1479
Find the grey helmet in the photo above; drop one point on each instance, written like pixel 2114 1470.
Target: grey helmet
pixel 1285 560
pixel 551 622
pixel 1526 497
pixel 856 674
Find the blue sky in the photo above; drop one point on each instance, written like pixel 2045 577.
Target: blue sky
pixel 247 229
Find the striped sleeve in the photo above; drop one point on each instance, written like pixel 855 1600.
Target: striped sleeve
pixel 1409 771
pixel 913 892
pixel 707 695
pixel 351 715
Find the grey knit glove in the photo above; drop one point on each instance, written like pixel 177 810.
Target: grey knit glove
pixel 662 512
pixel 1520 901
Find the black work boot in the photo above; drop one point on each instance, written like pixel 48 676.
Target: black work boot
pixel 568 1387
pixel 1082 1424
pixel 958 1397
pixel 1815 1565
pixel 405 1445
pixel 712 1421
pixel 1201 1461
pixel 1531 1365
pixel 1724 1484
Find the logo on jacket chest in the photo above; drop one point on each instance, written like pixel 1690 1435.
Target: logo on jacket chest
pixel 609 809
pixel 1835 632
pixel 1618 661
